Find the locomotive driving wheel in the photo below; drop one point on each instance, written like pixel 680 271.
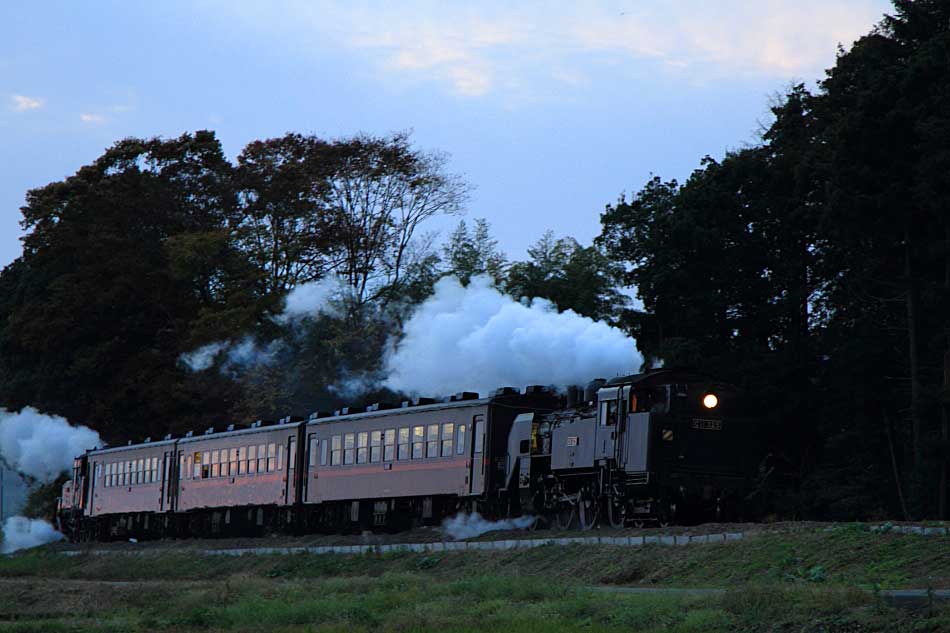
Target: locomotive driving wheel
pixel 565 517
pixel 588 511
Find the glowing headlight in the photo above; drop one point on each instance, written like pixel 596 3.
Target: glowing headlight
pixel 710 401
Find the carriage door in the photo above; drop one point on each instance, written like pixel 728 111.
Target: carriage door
pixel 477 474
pixel 164 500
pixel 311 469
pixel 290 482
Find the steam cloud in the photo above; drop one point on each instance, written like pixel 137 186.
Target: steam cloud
pixel 476 338
pixel 42 446
pixel 21 533
pixel 463 526
pixel 304 301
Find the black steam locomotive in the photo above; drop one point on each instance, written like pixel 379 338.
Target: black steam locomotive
pixel 664 446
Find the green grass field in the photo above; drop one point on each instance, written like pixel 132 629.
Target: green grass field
pixel 810 581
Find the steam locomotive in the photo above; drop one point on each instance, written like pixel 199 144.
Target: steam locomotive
pixel 669 445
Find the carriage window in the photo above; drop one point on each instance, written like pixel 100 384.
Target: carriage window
pixel 250 460
pixel 448 433
pixel 375 446
pixel 118 474
pixel 418 442
pixel 156 468
pixel 271 457
pixel 349 441
pixel 323 453
pixel 108 475
pixel 262 458
pixel 105 482
pixel 460 440
pixel 432 441
pixel 292 454
pixel 479 434
pixel 362 442
pixel 182 472
pixel 389 445
pixel 215 464
pixel 280 456
pixel 139 466
pixel 337 452
pixel 312 448
pixel 404 443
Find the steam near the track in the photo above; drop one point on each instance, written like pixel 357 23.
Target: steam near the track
pixel 463 526
pixel 42 446
pixel 304 301
pixel 21 533
pixel 475 338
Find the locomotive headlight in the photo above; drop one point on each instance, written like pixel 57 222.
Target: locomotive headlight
pixel 710 401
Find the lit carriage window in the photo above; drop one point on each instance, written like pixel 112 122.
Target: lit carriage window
pixel 280 456
pixel 323 453
pixel 448 433
pixel 139 470
pixel 460 440
pixel 215 463
pixel 196 473
pixel 262 458
pixel 182 473
pixel 432 443
pixel 251 460
pixel 312 450
pixel 418 442
pixel 148 470
pixel 404 443
pixel 156 469
pixel 337 451
pixel 121 467
pixel 206 465
pixel 389 445
pixel 376 446
pixel 349 441
pixel 225 469
pixel 291 455
pixel 362 440
pixel 271 457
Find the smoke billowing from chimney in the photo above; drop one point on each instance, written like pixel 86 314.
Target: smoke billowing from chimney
pixel 475 338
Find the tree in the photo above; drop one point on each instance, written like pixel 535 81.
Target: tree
pixel 471 253
pixel 113 280
pixel 572 276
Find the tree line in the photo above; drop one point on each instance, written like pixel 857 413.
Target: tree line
pixel 812 268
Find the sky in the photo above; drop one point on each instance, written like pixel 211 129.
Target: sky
pixel 550 110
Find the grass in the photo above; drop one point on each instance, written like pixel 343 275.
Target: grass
pixel 800 582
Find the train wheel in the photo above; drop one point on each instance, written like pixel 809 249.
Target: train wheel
pixel 588 511
pixel 566 516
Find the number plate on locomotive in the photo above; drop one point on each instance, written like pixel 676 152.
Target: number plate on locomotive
pixel 706 425
pixel 572 440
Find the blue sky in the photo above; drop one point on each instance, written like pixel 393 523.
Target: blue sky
pixel 550 110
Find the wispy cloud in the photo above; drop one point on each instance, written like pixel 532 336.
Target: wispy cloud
pixel 477 49
pixel 91 118
pixel 22 103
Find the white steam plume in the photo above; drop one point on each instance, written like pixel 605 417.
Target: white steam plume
pixel 42 446
pixel 476 339
pixel 304 301
pixel 21 533
pixel 463 526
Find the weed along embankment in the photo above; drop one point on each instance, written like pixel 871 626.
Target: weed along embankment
pixel 829 577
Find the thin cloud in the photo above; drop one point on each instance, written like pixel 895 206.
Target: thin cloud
pixel 22 103
pixel 497 47
pixel 92 119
